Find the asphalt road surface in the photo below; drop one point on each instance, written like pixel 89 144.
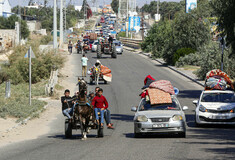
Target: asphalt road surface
pixel 129 71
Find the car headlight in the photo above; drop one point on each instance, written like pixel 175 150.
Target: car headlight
pixel 177 118
pixel 202 108
pixel 142 118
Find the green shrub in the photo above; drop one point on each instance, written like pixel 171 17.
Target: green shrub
pixel 18 104
pixel 191 59
pixel 46 39
pixel 181 53
pixel 121 34
pixel 208 57
pixel 18 69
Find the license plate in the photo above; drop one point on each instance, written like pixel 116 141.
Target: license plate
pixel 219 117
pixel 160 125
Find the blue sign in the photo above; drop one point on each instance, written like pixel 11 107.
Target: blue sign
pixel 134 23
pixel 113 32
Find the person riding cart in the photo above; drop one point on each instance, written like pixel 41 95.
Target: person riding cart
pixel 67 104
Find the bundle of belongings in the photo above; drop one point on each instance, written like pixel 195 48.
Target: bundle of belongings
pixel 218 80
pixel 106 72
pixel 157 92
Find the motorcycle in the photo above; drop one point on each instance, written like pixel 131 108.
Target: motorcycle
pixel 78 47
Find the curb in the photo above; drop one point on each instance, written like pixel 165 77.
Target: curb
pixel 23 122
pixel 170 67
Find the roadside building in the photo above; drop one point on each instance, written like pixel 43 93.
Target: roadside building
pixel 5 8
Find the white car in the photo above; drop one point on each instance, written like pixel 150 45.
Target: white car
pixel 94 46
pixel 215 107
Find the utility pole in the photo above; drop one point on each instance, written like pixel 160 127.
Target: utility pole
pixel 54 27
pixel 127 18
pixel 19 12
pixel 61 24
pixel 65 12
pixel 142 25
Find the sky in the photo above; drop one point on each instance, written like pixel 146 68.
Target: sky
pixel 79 2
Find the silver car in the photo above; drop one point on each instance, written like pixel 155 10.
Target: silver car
pixel 94 46
pixel 163 118
pixel 119 47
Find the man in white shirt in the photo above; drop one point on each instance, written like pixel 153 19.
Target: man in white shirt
pixel 84 65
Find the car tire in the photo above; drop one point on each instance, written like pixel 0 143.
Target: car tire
pixel 137 135
pixel 98 51
pixel 182 134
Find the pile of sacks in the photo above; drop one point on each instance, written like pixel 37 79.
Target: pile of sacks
pixel 157 92
pixel 218 80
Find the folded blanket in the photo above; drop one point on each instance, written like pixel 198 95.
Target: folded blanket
pixel 158 96
pixel 163 85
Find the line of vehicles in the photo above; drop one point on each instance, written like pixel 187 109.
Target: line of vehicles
pixel 104 29
pixel 216 106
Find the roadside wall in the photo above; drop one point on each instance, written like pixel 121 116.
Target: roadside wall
pixel 7 38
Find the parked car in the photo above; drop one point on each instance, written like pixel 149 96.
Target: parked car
pixel 119 47
pixel 215 107
pixel 94 46
pixel 162 118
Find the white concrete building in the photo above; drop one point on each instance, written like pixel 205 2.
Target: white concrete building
pixel 5 8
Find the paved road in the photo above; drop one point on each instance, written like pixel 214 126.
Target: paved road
pixel 129 71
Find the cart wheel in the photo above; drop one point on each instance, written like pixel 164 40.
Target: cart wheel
pixel 105 82
pixel 100 131
pixel 91 81
pixel 68 129
pixel 114 53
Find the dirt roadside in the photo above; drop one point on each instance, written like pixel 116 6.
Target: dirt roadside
pixel 41 125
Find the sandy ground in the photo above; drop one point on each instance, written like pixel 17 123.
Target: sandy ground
pixel 39 126
pixel 31 129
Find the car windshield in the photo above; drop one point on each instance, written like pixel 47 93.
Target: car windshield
pixel 95 43
pixel 218 97
pixel 146 106
pixel 117 43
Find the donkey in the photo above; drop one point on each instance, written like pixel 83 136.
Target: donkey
pixel 83 109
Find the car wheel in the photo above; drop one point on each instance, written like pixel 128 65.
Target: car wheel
pixel 197 124
pixel 137 135
pixel 182 134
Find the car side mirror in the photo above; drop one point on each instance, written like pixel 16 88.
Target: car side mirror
pixel 185 108
pixel 195 102
pixel 133 109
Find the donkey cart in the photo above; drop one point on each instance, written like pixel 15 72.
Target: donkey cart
pixel 82 115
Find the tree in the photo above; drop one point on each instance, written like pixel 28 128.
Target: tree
pixel 9 23
pixel 167 9
pixel 115 5
pixel 225 12
pixel 45 3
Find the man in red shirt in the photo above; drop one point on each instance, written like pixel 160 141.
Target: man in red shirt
pixel 100 104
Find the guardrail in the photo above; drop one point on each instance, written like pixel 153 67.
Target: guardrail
pixel 133 43
pixel 49 89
